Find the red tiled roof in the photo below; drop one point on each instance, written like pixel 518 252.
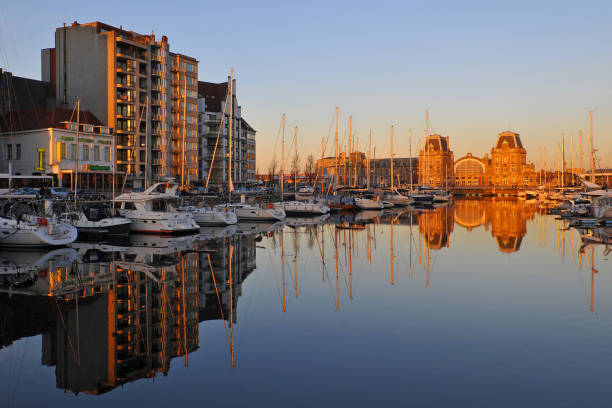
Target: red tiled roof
pixel 43 119
pixel 213 94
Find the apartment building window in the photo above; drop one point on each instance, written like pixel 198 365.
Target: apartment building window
pixel 107 156
pixel 73 151
pixel 18 151
pixel 9 152
pixel 96 153
pixel 85 154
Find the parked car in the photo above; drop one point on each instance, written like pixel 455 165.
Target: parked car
pixel 60 192
pixel 26 191
pixel 89 195
pixel 197 190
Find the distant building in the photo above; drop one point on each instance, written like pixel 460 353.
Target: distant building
pixel 45 142
pixel 213 137
pixel 129 80
pixel 352 170
pixel 506 167
pixel 436 162
pixel 402 166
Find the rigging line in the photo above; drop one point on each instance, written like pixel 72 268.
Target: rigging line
pixel 67 334
pixel 212 162
pixel 218 299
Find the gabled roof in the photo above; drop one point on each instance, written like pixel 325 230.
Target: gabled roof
pixel 30 119
pixel 213 94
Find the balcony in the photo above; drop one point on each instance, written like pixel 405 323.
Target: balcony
pixel 126 84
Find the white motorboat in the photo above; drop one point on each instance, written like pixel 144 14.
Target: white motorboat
pixel 95 219
pixel 302 207
pixel 210 216
pixel 368 202
pixel 31 231
pixel 150 211
pixel 248 212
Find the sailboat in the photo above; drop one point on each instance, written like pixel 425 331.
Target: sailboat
pixel 393 196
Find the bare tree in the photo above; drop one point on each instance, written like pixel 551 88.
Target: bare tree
pixel 310 167
pixel 272 169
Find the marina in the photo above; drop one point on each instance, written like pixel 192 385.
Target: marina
pixel 151 316
pixel 301 204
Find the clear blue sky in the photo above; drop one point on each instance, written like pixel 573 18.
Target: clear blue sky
pixel 480 67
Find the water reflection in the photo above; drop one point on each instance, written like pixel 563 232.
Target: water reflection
pixel 112 313
pixel 115 313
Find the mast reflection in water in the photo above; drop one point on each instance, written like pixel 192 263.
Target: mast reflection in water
pixel 469 293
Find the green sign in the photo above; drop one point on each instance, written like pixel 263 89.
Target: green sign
pixel 68 138
pixel 94 167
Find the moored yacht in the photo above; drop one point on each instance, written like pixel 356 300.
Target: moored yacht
pixel 397 199
pixel 249 212
pixel 32 231
pixel 94 219
pixel 210 216
pixel 150 211
pixel 368 201
pixel 303 208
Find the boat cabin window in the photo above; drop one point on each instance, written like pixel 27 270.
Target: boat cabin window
pixel 159 205
pixel 128 205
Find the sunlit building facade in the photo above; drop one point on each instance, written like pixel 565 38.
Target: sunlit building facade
pixel 436 162
pixel 506 166
pixel 126 80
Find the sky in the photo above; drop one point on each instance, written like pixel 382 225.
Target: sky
pixel 478 67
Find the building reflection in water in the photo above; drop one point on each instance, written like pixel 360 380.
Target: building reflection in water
pixel 113 314
pixel 505 218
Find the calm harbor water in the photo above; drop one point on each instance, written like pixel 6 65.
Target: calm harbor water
pixel 480 303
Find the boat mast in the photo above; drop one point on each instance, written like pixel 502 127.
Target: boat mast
pixel 369 149
pixel 410 158
pixel 592 150
pixel 184 136
pixel 231 126
pixel 295 158
pixel 76 169
pixel 147 103
pixel 562 159
pixel 282 175
pixel 348 150
pixel 336 164
pixel 391 159
pixel 425 143
pixel 580 146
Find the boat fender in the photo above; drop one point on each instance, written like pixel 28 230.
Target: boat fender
pixel 270 205
pixel 42 222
